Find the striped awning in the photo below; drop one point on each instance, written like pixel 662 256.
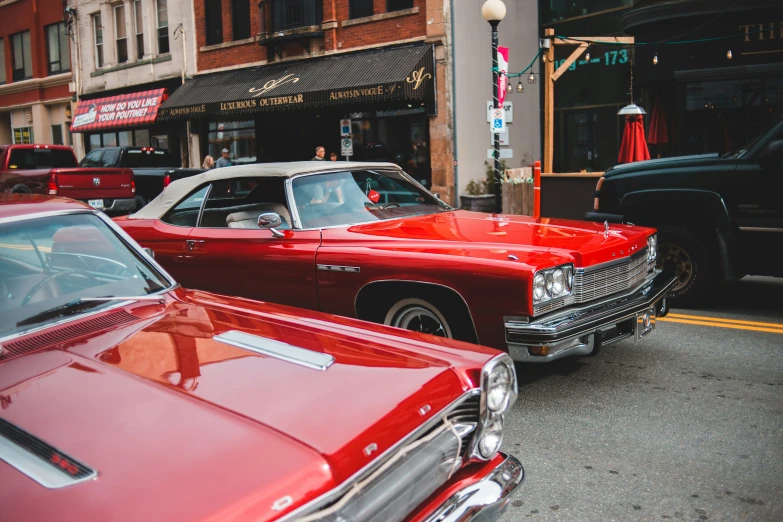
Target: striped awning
pixel 123 110
pixel 404 73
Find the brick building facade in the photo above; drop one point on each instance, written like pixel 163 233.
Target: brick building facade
pixel 35 70
pixel 272 36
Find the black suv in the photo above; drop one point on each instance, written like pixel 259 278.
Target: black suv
pixel 153 169
pixel 718 217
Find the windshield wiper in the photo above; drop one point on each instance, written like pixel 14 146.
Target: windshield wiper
pixel 79 305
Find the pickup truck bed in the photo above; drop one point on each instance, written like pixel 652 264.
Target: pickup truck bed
pixel 53 170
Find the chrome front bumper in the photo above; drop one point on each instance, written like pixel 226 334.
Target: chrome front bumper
pixel 577 329
pixel 117 205
pixel 485 500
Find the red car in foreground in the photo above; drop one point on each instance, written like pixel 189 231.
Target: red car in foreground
pixel 124 397
pixel 365 240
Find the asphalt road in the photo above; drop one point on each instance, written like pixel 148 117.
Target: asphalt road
pixel 687 424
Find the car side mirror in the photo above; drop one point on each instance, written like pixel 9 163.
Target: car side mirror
pixel 270 221
pixel 772 155
pixel 149 252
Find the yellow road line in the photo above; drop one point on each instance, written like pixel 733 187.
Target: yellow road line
pixel 722 320
pixel 721 325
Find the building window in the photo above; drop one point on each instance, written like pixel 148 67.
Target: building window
pixel 2 60
pixel 398 5
pixel 163 26
pixel 138 27
pixel 21 56
pixel 97 34
pixel 57 49
pixel 240 19
pixel 23 135
pixel 214 14
pixel 120 33
pixel 360 8
pixel 57 135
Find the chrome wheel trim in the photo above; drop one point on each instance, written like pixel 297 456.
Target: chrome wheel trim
pixel 417 315
pixel 683 264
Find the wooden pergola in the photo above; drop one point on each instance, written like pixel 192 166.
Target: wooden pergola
pixel 551 76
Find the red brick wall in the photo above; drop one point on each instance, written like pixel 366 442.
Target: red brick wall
pixel 371 33
pixel 32 15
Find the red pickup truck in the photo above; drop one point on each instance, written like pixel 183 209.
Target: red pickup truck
pixel 53 170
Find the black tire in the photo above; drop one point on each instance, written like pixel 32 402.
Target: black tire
pixel 21 189
pixel 683 253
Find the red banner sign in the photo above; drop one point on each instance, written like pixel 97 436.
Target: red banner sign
pixel 502 78
pixel 124 110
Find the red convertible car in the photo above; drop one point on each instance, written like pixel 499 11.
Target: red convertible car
pixel 365 240
pixel 124 397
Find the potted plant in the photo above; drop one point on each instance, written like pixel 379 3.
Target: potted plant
pixel 479 195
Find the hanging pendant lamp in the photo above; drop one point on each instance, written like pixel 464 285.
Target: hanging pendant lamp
pixel 631 109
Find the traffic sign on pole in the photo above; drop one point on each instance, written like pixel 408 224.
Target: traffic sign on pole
pixel 498 120
pixel 345 127
pixel 346 147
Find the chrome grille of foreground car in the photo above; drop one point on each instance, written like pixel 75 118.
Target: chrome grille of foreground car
pixel 410 475
pixel 596 282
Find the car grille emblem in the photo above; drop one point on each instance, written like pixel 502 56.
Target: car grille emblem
pixel 606 229
pixel 424 410
pixel 96 181
pixel 369 450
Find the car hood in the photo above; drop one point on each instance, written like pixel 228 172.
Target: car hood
pixel 165 412
pixel 537 242
pixel 677 162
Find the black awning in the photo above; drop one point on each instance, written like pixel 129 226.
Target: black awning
pixel 382 75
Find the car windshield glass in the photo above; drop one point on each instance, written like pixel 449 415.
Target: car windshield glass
pixel 48 262
pixel 738 153
pixel 360 196
pixel 147 159
pixel 29 159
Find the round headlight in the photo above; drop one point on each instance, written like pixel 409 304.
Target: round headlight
pixel 498 388
pixel 491 437
pixel 549 283
pixel 568 273
pixel 538 287
pixel 558 282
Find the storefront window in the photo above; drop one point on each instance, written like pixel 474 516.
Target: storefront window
pixel 95 142
pixel 141 138
pixel 23 135
pixel 125 138
pixel 109 139
pixel 239 137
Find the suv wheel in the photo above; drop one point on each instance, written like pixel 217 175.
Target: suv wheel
pixel 683 252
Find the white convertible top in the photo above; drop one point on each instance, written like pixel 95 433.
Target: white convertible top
pixel 182 187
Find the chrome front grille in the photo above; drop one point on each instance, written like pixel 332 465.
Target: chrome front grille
pixel 467 412
pixel 597 282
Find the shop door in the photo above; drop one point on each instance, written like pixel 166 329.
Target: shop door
pixel 229 254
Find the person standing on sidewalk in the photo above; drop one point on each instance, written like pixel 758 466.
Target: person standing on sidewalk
pixel 320 152
pixel 224 160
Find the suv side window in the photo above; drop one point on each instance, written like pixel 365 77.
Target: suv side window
pixel 185 214
pixel 110 158
pixel 93 159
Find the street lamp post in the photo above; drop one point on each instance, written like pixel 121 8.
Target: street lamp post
pixel 493 12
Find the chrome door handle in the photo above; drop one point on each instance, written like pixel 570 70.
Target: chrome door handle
pixel 192 243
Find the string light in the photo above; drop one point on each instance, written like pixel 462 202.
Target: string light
pixel 587 55
pixel 729 55
pixel 655 59
pixel 508 89
pixel 531 79
pixel 520 87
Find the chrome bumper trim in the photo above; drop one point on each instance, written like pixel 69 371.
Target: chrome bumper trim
pixel 570 347
pixel 484 501
pixel 587 319
pixel 121 205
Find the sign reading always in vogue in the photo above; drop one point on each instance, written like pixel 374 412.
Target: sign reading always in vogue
pixel 125 110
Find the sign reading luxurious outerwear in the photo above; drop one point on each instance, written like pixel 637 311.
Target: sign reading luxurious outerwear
pixel 125 110
pixel 393 74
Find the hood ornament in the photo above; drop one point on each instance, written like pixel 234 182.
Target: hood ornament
pixel 606 229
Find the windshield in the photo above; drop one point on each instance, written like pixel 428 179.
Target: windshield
pixel 738 153
pixel 30 159
pixel 48 262
pixel 147 159
pixel 360 196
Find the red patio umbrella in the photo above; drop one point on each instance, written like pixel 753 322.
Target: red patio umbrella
pixel 633 147
pixel 657 133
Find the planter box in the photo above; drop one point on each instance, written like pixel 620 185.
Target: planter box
pixel 518 198
pixel 482 203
